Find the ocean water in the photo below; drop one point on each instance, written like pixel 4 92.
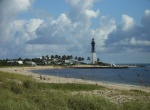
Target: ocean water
pixel 133 76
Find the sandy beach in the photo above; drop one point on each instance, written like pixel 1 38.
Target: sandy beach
pixel 53 79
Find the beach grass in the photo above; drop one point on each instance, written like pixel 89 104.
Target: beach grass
pixel 19 92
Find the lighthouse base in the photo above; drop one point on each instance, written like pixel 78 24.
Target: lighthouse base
pixel 93 58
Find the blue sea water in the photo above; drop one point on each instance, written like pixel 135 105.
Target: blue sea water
pixel 133 76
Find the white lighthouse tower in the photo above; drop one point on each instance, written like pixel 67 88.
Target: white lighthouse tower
pixel 93 52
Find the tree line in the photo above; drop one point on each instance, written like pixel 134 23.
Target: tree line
pixel 53 59
pixel 40 60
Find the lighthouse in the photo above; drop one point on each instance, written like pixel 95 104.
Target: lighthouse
pixel 93 52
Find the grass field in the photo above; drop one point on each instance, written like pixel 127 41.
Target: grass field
pixel 18 92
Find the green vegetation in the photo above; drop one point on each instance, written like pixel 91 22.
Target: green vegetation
pixel 18 92
pixel 49 60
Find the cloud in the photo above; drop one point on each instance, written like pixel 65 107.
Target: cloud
pixel 127 23
pixel 81 4
pixel 69 28
pixel 146 19
pixel 130 36
pixel 53 32
pixel 25 30
pixel 102 33
pixel 92 13
pixel 68 31
pixel 3 52
pixel 81 11
pixel 8 11
pixel 133 42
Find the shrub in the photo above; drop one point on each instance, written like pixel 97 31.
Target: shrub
pixel 139 92
pixel 80 102
pixel 29 84
pixel 136 105
pixel 15 87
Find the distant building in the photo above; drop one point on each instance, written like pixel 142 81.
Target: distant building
pixel 72 62
pixel 67 61
pixel 31 63
pixel 15 62
pixel 93 53
pixel 20 62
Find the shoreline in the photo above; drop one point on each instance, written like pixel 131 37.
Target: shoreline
pixel 54 79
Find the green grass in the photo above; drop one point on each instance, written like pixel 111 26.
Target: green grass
pixel 18 92
pixel 69 87
pixel 84 102
pixel 5 76
pixel 136 105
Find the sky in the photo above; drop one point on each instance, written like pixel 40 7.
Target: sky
pixel 34 28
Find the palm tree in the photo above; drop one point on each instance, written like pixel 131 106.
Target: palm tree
pixel 52 56
pixel 71 57
pixel 64 57
pixel 20 58
pixel 82 59
pixel 43 58
pixel 98 59
pixel 47 57
pixel 56 56
pixel 76 58
pixel 59 57
pixel 68 57
pixel 79 59
pixel 88 59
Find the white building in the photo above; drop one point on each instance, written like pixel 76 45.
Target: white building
pixel 20 62
pixel 31 63
pixel 15 62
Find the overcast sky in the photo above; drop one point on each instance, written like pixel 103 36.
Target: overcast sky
pixel 33 28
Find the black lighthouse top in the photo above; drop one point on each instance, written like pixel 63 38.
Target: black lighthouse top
pixel 93 46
